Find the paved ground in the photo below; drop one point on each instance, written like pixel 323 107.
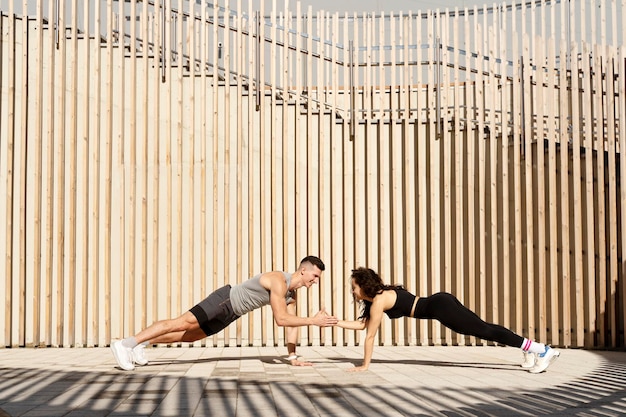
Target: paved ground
pixel 249 381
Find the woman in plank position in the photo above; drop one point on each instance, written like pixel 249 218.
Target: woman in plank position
pixel 378 298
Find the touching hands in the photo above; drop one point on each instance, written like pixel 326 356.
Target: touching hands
pixel 323 319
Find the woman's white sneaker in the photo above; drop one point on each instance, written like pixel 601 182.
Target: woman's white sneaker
pixel 529 360
pixel 139 355
pixel 544 360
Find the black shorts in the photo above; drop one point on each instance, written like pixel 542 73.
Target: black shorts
pixel 215 312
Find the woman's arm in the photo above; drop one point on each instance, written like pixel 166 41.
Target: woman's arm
pixel 352 324
pixel 376 315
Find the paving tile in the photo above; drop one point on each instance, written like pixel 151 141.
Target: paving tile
pixel 253 381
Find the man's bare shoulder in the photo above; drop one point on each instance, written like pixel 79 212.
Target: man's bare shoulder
pixel 271 279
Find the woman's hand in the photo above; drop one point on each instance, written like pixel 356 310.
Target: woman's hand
pixel 323 319
pixel 296 362
pixel 358 369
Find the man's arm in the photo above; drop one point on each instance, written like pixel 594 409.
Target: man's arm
pixel 292 340
pixel 275 283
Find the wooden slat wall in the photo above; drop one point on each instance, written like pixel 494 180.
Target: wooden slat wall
pixel 186 148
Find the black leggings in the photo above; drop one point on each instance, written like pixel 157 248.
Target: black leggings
pixel 455 316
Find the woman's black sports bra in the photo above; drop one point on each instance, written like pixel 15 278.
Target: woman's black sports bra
pixel 403 305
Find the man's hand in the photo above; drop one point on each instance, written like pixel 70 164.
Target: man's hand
pixel 323 319
pixel 358 369
pixel 296 362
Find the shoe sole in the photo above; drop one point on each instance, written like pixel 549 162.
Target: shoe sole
pixel 117 359
pixel 552 359
pixel 140 363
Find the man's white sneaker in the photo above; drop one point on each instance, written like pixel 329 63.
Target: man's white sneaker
pixel 123 356
pixel 139 355
pixel 529 360
pixel 544 360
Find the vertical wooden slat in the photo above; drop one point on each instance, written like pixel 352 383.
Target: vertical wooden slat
pixel 37 176
pixel 107 165
pixel 274 179
pixel 120 181
pixel 344 309
pixel 313 173
pixel 83 181
pixel 130 169
pixel 553 303
pixel 157 145
pixel 178 156
pixel 565 122
pixel 506 121
pixel 517 99
pixel 410 183
pixel 481 50
pixel 205 161
pixel 381 145
pixel 320 242
pixel 395 34
pixel 372 178
pixel 334 293
pixel 253 248
pixel 302 155
pixel 600 218
pixel 60 181
pixel 7 160
pixel 434 162
pixel 367 77
pixel 422 236
pixel 446 140
pixel 301 69
pixel 49 175
pixel 240 256
pixel 281 154
pixel 577 201
pixel 213 162
pixel 3 141
pixel 360 256
pixel 263 188
pixel 622 164
pixel 76 165
pixel 492 271
pixel 397 268
pixel 147 237
pixel 459 149
pixel 470 95
pixel 540 137
pixel 527 137
pixel 189 212
pixel 167 58
pixel 94 190
pixel 19 184
pixel 611 123
pixel 590 322
pixel 230 169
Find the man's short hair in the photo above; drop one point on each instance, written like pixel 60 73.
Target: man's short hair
pixel 313 260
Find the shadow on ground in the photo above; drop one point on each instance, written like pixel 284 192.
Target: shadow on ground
pixel 229 392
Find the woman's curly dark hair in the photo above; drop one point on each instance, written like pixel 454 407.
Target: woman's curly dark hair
pixel 371 284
